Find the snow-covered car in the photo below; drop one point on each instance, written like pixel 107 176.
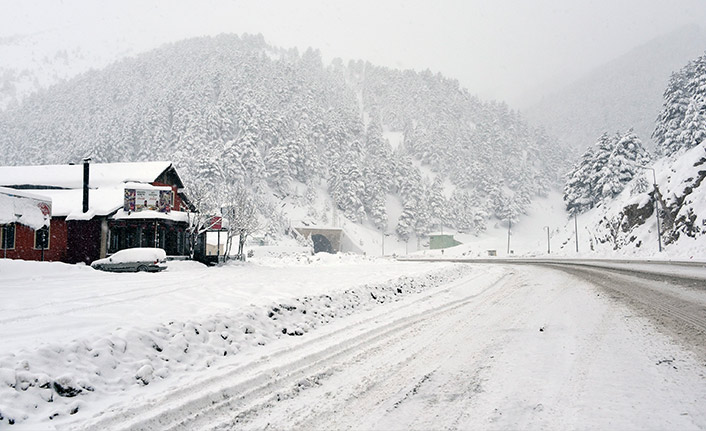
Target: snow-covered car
pixel 134 260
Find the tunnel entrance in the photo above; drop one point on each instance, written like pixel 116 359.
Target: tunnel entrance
pixel 326 239
pixel 321 243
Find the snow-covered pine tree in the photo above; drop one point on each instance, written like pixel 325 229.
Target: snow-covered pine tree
pixel 627 160
pixel 347 184
pixel 578 191
pixel 604 170
pixel 277 168
pixel 438 206
pixel 377 172
pixel 406 222
pixel 682 121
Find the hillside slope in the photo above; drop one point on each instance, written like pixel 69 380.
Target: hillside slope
pixel 233 111
pixel 668 205
pixel 624 93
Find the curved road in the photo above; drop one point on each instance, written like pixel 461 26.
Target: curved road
pixel 675 303
pixel 541 344
pixel 671 294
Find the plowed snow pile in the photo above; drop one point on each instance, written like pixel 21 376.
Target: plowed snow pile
pixel 72 336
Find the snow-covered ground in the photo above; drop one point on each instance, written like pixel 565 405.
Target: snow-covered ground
pixel 71 329
pixel 425 345
pixel 509 350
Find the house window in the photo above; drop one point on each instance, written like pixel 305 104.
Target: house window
pixel 162 237
pixel 180 242
pixel 120 238
pixel 7 236
pixel 132 237
pixel 41 238
pixel 148 237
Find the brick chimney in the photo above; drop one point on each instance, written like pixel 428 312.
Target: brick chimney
pixel 86 169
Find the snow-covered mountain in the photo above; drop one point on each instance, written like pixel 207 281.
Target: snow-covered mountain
pixel 31 62
pixel 392 149
pixel 667 198
pixel 624 93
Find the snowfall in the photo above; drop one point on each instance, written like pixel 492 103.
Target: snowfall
pixel 351 341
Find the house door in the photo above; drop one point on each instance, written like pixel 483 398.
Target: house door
pixel 83 242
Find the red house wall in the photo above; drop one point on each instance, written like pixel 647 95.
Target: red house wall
pixel 24 243
pixel 177 199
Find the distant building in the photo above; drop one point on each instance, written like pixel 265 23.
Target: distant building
pixel 439 241
pixel 96 209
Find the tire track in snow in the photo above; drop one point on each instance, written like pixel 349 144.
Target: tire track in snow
pixel 392 366
pixel 243 391
pixel 406 384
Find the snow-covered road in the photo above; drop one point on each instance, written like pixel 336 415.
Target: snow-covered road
pixel 675 301
pixel 506 347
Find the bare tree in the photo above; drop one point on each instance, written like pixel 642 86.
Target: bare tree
pixel 241 213
pixel 199 218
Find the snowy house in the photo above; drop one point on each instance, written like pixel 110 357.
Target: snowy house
pixel 98 209
pixel 24 220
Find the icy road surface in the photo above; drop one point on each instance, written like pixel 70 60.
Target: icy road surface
pixel 505 347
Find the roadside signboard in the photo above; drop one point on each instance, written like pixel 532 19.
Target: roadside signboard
pixel 137 200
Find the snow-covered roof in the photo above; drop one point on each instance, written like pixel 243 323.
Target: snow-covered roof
pixel 101 201
pixel 69 203
pixel 71 176
pixel 62 185
pixel 24 207
pixel 178 216
pixel 143 186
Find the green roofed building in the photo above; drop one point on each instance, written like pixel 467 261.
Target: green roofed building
pixel 437 241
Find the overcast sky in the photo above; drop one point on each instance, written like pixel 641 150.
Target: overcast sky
pixel 502 49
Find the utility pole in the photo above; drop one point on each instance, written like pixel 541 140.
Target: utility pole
pixel 659 232
pixel 382 232
pixel 509 227
pixel 549 251
pixel 576 231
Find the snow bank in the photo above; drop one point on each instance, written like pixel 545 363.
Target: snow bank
pixel 51 381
